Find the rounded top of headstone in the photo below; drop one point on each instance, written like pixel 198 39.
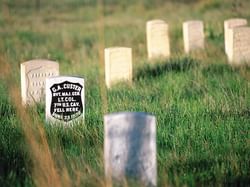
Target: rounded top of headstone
pixel 155 21
pixel 193 22
pixel 233 22
pixel 240 29
pixel 118 48
pixel 39 61
pixel 128 114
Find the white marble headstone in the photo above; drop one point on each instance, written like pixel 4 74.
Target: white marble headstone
pixel 130 147
pixel 64 99
pixel 193 35
pixel 239 50
pixel 228 26
pixel 157 39
pixel 118 65
pixel 33 75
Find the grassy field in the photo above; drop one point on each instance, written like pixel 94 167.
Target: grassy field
pixel 202 105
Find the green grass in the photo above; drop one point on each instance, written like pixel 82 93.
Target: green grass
pixel 202 105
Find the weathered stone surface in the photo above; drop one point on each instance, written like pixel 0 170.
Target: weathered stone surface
pixel 228 25
pixel 130 146
pixel 193 35
pixel 33 75
pixel 118 65
pixel 157 39
pixel 64 99
pixel 239 50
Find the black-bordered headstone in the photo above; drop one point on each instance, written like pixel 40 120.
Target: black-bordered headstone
pixel 64 99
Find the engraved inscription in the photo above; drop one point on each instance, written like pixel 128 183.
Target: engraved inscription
pixel 66 103
pixel 35 84
pixel 64 99
pixel 241 45
pixel 33 75
pixel 119 65
pixel 228 26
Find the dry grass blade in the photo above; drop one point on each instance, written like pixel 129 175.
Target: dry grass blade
pixel 44 170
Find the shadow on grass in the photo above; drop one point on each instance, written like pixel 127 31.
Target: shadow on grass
pixel 202 171
pixel 236 114
pixel 161 67
pixel 222 69
pixel 217 69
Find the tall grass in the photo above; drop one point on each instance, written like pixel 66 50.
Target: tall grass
pixel 201 104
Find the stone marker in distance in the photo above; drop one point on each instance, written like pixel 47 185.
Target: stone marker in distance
pixel 239 48
pixel 64 99
pixel 118 65
pixel 130 147
pixel 157 39
pixel 228 26
pixel 193 35
pixel 33 75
